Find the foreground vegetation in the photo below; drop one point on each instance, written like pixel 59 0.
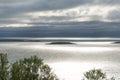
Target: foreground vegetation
pixel 34 68
pixel 96 74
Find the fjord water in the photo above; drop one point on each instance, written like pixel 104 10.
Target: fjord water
pixel 70 61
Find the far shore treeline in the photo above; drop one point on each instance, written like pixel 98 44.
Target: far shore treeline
pixel 34 68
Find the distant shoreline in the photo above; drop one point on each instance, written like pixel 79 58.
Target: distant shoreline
pixel 114 40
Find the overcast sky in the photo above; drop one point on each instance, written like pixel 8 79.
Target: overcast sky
pixel 18 13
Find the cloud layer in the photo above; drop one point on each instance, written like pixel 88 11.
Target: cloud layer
pixel 26 12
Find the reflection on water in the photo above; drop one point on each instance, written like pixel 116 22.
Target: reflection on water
pixel 73 49
pixel 74 70
pixel 69 62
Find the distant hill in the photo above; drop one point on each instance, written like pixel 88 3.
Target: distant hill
pixel 72 29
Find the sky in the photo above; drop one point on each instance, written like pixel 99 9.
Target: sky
pixel 31 13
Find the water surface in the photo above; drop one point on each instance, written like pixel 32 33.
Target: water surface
pixel 70 61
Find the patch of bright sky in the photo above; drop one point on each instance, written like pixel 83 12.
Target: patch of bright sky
pixel 16 25
pixel 81 13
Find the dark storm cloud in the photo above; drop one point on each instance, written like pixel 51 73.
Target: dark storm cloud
pixel 74 29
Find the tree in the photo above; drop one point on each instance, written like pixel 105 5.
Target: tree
pixel 31 68
pixel 4 73
pixel 96 74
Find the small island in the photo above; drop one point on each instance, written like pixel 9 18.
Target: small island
pixel 62 43
pixel 117 42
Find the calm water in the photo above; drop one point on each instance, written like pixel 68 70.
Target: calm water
pixel 70 61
